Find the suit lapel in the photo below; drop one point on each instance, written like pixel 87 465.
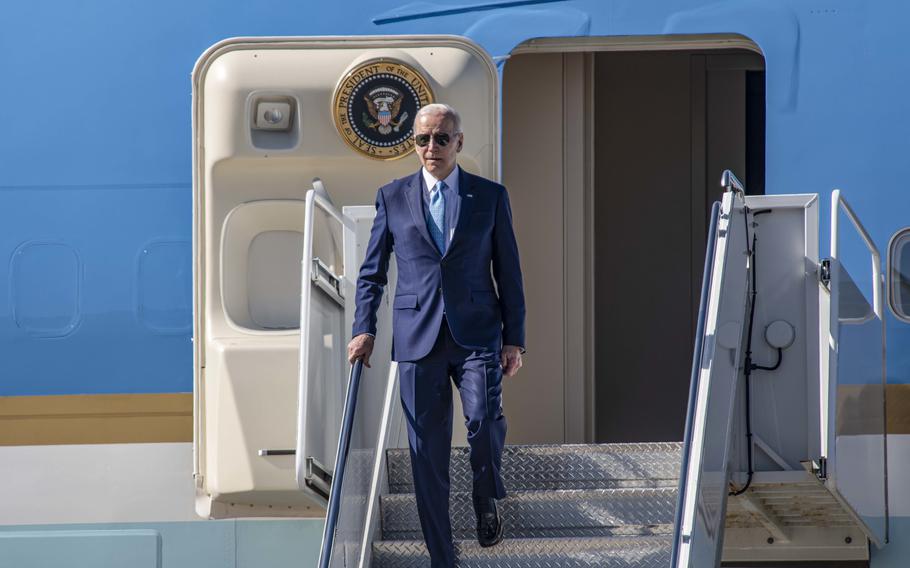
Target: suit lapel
pixel 414 196
pixel 465 205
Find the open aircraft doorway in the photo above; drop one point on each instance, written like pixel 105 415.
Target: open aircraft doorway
pixel 613 154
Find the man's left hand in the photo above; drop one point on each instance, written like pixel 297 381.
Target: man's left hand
pixel 511 359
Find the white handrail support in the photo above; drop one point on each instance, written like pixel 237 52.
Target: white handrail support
pixel 382 440
pixel 838 202
pixel 871 515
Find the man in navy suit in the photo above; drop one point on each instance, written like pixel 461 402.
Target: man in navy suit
pixel 448 228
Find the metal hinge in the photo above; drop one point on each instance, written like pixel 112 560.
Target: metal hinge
pixel 318 477
pixel 824 272
pixel 819 467
pixel 326 281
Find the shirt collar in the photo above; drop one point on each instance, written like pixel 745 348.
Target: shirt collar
pixel 451 180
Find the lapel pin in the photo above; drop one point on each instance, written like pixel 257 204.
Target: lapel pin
pixel 470 195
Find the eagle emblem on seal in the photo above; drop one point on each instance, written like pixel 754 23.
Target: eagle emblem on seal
pixel 384 106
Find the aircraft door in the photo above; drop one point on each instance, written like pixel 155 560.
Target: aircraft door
pixel 853 389
pixel 269 116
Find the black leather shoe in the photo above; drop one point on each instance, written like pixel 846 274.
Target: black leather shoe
pixel 489 525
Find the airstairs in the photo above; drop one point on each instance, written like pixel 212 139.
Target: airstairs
pixel 784 454
pixel 781 461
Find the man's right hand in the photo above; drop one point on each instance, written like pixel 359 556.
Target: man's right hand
pixel 361 347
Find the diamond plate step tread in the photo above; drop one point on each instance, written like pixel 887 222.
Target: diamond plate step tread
pixel 606 552
pixel 573 466
pixel 562 513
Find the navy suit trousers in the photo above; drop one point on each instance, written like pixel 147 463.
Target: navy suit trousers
pixel 426 395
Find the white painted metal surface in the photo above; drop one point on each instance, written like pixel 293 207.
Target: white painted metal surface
pixel 705 493
pixel 96 483
pixel 378 420
pixel 323 337
pixel 782 511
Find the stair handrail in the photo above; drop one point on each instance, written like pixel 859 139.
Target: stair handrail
pixel 839 203
pixel 341 457
pixel 829 419
pixel 693 383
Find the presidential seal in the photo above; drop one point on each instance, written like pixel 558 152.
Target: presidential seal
pixel 374 107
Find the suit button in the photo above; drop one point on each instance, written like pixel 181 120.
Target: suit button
pixel 439 289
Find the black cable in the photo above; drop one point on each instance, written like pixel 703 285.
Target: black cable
pixel 748 365
pixel 780 357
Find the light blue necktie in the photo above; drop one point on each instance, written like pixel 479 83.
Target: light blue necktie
pixel 436 223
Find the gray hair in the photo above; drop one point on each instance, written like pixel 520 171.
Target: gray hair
pixel 443 109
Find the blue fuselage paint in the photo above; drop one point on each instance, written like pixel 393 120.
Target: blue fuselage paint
pixel 95 188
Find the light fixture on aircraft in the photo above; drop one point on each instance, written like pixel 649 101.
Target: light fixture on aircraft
pixel 272 115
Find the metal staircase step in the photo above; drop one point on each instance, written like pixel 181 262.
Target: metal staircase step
pixel 548 467
pixel 560 513
pixel 603 552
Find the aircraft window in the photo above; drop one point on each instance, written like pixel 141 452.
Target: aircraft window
pixel 899 274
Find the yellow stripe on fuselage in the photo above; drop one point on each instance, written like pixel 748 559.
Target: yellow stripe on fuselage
pixel 138 418
pixel 859 409
pixel 96 419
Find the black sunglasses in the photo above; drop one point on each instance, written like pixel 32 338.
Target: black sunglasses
pixel 442 139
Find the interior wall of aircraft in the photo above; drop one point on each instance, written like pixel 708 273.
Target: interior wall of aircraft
pixel 612 160
pixel 544 166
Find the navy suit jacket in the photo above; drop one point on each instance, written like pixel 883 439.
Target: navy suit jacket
pixel 459 281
